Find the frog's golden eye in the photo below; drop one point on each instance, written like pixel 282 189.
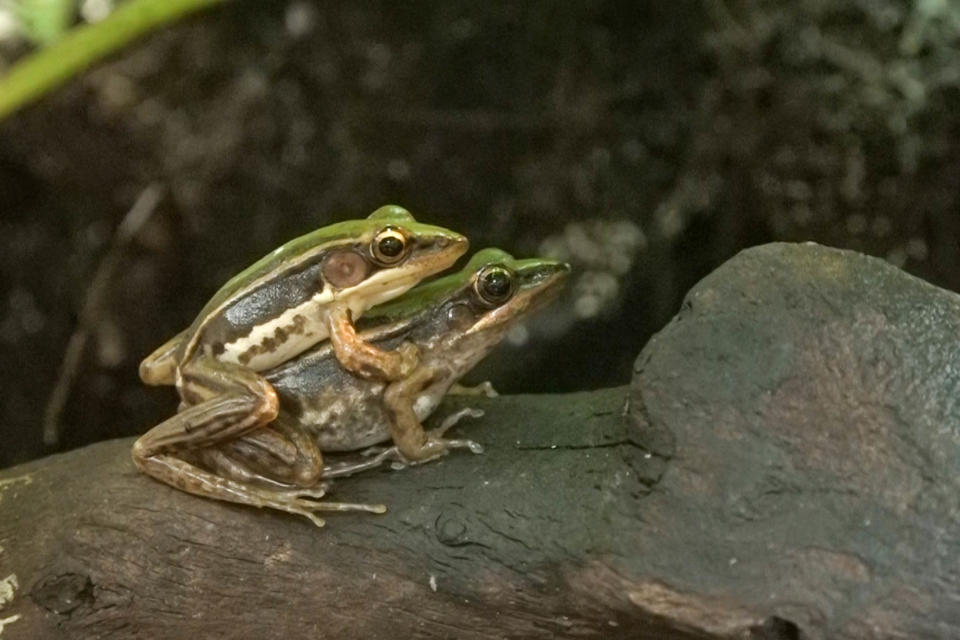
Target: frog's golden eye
pixel 345 269
pixel 495 284
pixel 389 246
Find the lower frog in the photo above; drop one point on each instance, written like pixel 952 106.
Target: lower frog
pixel 453 321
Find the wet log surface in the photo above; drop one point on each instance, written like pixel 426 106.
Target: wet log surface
pixel 787 469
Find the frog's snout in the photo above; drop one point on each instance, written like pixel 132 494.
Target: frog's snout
pixel 445 244
pixel 450 241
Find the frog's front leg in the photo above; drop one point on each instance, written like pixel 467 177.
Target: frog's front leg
pixel 414 443
pixel 375 457
pixel 362 358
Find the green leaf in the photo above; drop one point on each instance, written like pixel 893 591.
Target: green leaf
pixel 41 71
pixel 43 21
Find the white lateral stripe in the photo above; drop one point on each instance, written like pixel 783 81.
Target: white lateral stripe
pixel 382 286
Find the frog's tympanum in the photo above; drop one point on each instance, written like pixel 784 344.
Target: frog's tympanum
pixel 304 292
pixel 453 322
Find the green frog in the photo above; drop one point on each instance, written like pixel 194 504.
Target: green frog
pixel 453 321
pixel 307 291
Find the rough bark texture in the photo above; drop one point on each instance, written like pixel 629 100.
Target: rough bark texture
pixel 787 470
pixel 522 541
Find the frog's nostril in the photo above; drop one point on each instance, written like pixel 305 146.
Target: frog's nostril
pixel 454 241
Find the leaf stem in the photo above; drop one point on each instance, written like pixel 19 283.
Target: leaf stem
pixel 48 68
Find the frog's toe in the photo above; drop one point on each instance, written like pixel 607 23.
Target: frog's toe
pixel 455 417
pixel 314 492
pixel 313 506
pixel 475 447
pixel 314 518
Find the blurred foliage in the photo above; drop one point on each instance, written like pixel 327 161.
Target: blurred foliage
pixel 835 121
pixel 67 54
pixel 41 21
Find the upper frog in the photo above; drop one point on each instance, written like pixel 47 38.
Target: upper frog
pixel 279 306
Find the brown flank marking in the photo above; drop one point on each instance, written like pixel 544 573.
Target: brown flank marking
pixel 270 344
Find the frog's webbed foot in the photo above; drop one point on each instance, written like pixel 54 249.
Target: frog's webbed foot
pixel 364 359
pixel 485 388
pixel 455 417
pixel 450 421
pixel 192 479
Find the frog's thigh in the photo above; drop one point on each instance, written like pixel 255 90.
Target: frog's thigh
pixel 281 453
pixel 363 358
pixel 238 400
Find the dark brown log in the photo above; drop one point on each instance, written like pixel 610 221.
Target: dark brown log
pixel 529 539
pixel 788 469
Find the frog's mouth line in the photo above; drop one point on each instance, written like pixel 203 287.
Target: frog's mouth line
pixel 388 284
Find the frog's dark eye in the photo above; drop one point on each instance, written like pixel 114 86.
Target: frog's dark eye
pixel 495 284
pixel 389 246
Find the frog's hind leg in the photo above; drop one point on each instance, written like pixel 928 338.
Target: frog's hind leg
pixel 224 402
pixel 221 401
pixel 284 458
pixel 192 479
pixel 160 367
pixel 280 455
pixel 221 462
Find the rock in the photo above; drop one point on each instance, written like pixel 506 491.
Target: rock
pixel 808 401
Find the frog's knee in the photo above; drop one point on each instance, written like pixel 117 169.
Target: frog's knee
pixel 308 472
pixel 268 405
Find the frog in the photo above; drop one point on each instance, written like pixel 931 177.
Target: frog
pixel 454 321
pixel 307 291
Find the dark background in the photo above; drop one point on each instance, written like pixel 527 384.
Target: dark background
pixel 646 142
